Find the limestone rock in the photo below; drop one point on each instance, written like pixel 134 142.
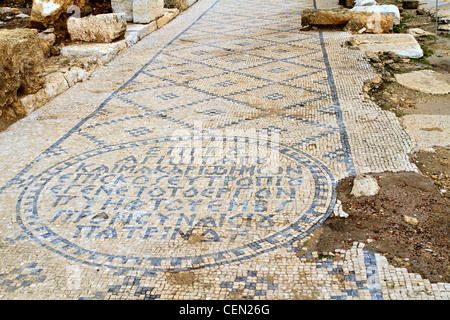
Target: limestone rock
pixel 330 17
pixel 411 220
pixel 359 3
pixel 372 23
pixel 123 6
pixel 21 63
pixel 145 11
pixel 47 12
pixel 364 186
pixel 403 45
pixel 142 29
pixel 427 81
pixel 388 9
pixel 97 28
pixel 10 11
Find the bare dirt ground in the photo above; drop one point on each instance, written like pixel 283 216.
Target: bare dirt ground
pixel 383 222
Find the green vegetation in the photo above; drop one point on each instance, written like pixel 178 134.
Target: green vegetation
pixel 401 27
pixel 427 52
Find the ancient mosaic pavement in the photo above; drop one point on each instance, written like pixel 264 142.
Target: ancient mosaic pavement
pixel 203 174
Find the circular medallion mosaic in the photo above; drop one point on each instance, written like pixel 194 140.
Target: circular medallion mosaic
pixel 176 203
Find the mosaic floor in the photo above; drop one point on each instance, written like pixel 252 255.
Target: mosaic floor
pixel 197 165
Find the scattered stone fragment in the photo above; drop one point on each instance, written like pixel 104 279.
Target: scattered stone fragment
pixel 403 45
pixel 428 130
pixel 417 32
pixel 338 211
pixel 370 23
pixel 411 220
pixel 123 6
pixel 169 14
pixel 332 17
pixel 365 186
pixel 427 81
pixel 97 28
pixel 55 84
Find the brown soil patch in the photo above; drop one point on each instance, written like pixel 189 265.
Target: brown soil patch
pixel 422 248
pixel 436 165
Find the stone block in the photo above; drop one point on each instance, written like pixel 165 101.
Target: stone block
pixel 34 101
pixel 389 9
pixel 410 4
pixel 145 11
pixel 326 17
pixel 404 45
pixel 55 84
pixel 359 3
pixel 21 64
pixel 97 28
pixel 104 52
pixel 142 29
pixel 123 6
pixel 47 12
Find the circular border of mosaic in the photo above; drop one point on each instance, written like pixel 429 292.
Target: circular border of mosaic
pixel 320 209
